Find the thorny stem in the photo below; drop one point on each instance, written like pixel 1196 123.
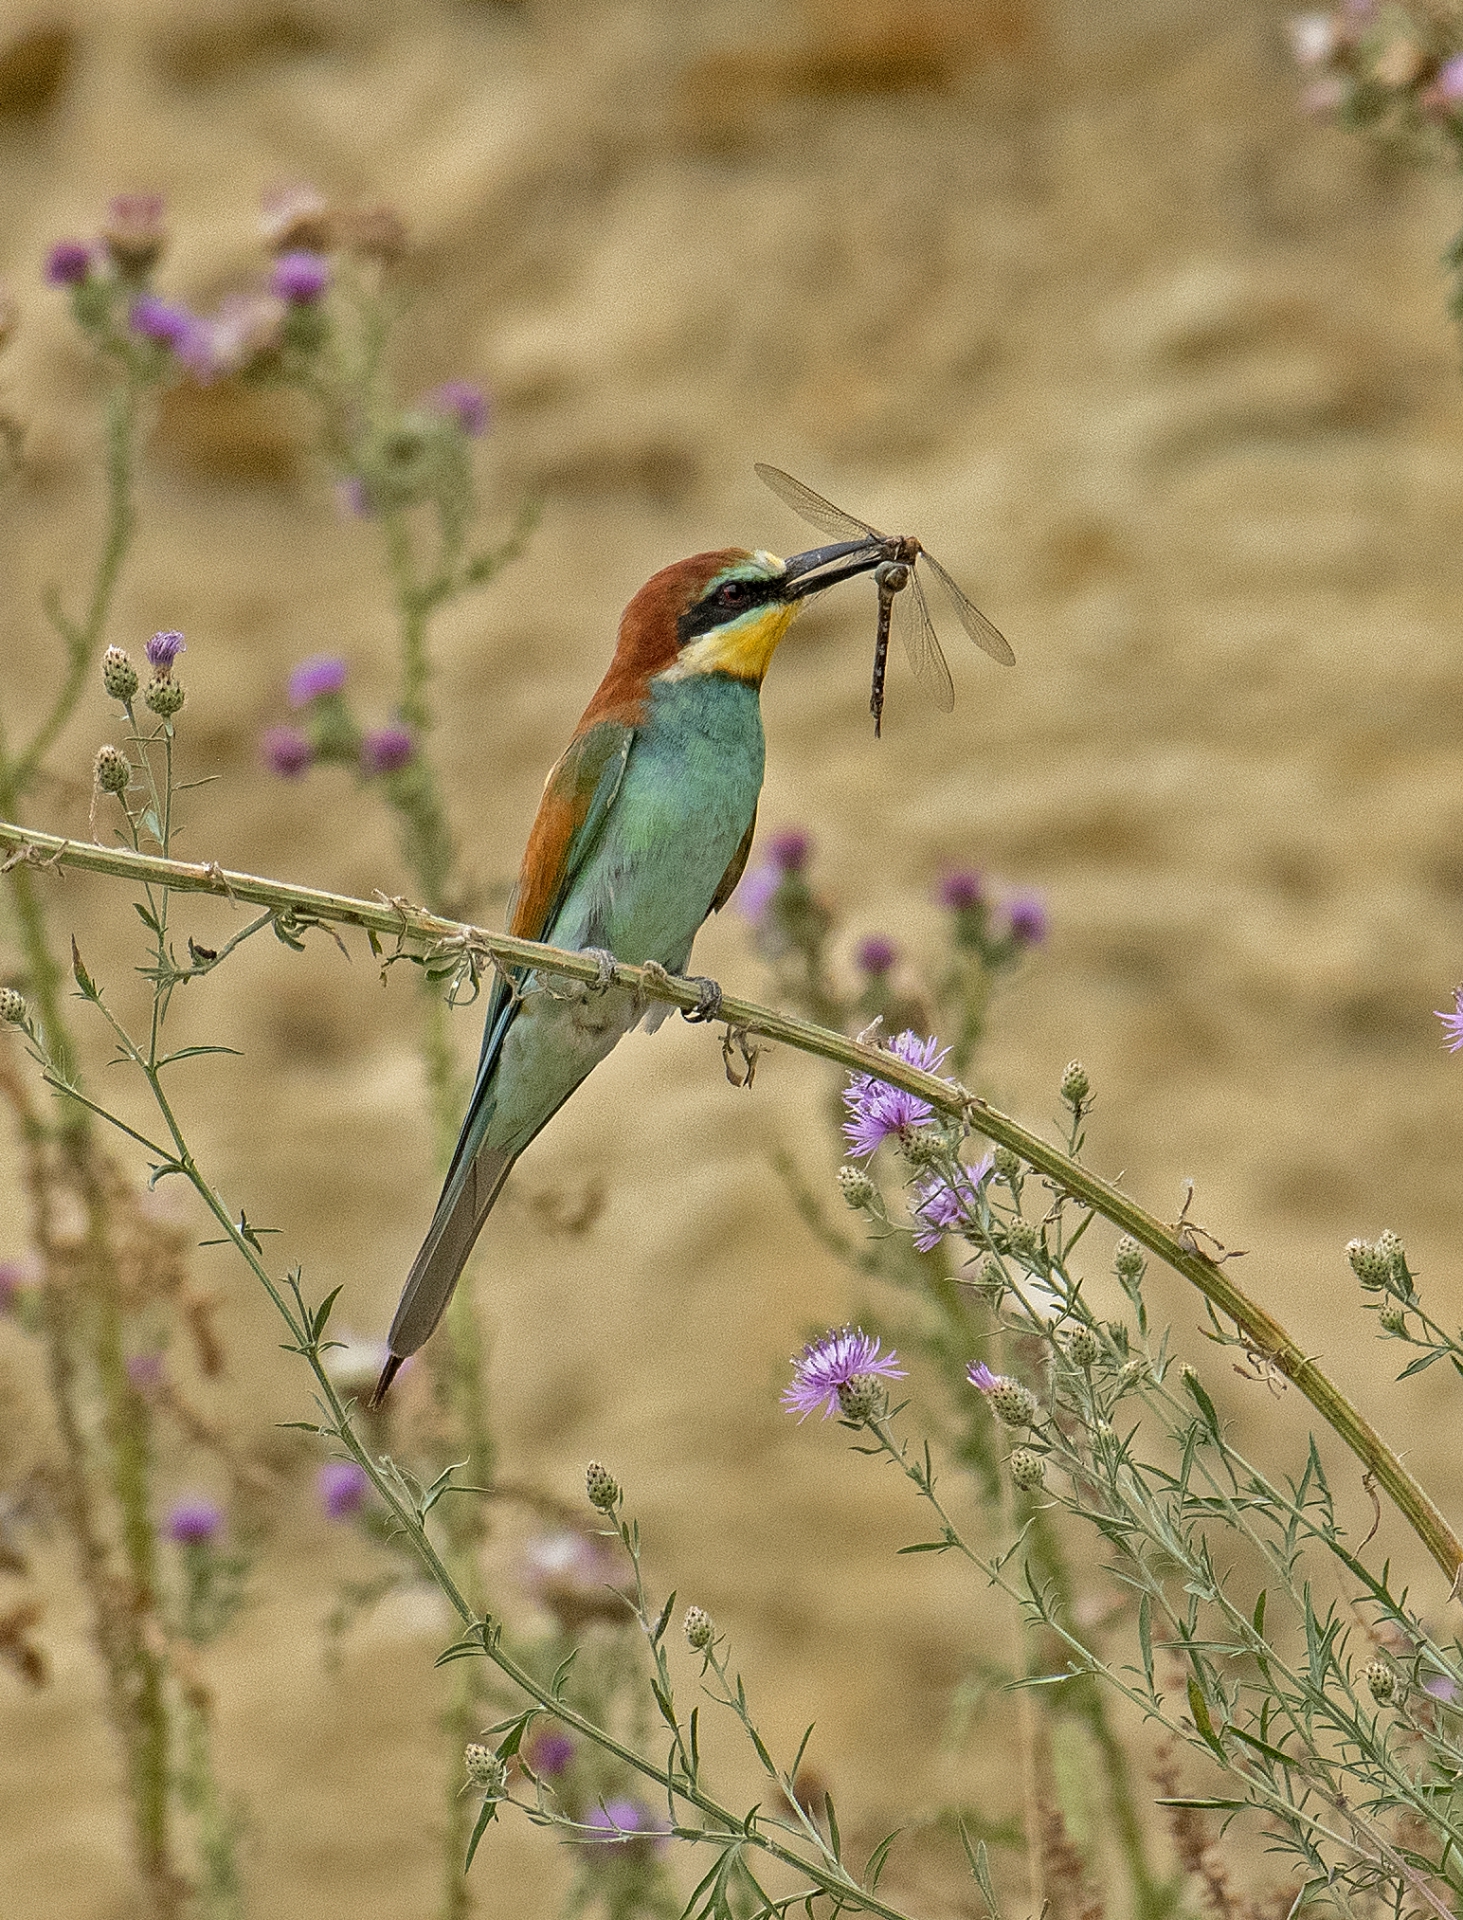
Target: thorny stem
pixel 1175 1245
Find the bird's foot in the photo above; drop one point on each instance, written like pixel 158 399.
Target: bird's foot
pixel 605 964
pixel 708 1000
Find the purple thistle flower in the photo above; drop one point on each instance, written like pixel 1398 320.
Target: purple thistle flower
pixel 321 674
pixel 300 277
pixel 549 1753
pixel 193 1521
pixel 961 890
pixel 1026 916
pixel 1447 86
pixel 625 1819
pixel 342 1486
pixel 876 955
pixel 944 1207
pixel 386 750
pixel 825 1365
pixel 460 401
pixel 68 263
pixel 790 850
pixel 145 1371
pixel 877 1110
pixel 285 751
pixel 1439 1687
pixel 166 323
pixel 163 649
pixel 757 891
pixel 352 500
pixel 13 1281
pixel 980 1375
pixel 1453 1022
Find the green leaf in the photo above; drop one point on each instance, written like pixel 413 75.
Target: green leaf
pixel 459 1650
pixel 83 979
pixel 657 1632
pixel 1259 1615
pixel 1199 1707
pixel 928 1546
pixel 192 1053
pixel 1207 1806
pixel 1145 1636
pixel 980 1867
pixel 1421 1364
pixel 485 1819
pixel 1199 1395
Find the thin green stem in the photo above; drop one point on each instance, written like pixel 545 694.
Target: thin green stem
pixel 1175 1245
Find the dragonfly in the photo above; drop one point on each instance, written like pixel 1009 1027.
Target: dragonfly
pixel 898 581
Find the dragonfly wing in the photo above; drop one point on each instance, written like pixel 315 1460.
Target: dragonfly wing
pixel 988 638
pixel 811 506
pixel 923 648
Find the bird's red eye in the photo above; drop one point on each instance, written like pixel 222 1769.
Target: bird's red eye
pixel 735 593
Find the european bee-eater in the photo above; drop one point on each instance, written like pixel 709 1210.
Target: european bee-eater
pixel 643 830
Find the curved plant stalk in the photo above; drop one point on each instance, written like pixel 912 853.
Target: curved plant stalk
pixel 1176 1245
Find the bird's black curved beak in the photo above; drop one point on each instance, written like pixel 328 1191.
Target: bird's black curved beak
pixel 825 566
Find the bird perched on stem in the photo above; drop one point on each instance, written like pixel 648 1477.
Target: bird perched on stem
pixel 643 830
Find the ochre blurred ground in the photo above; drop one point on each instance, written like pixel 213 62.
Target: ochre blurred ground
pixel 1163 371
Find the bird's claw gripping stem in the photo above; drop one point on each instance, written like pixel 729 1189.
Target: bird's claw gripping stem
pixel 605 963
pixel 708 1000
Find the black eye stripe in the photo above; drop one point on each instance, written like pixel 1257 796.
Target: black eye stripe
pixel 724 603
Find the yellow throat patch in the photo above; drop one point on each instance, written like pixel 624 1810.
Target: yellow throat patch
pixel 742 648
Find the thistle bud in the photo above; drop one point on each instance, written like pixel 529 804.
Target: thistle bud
pixel 1083 1347
pixel 602 1487
pixel 1381 1681
pixel 862 1398
pixel 119 676
pixel 485 1769
pixel 1392 1316
pixel 1028 1469
pixel 991 1280
pixel 1075 1085
pixel 923 1146
pixel 1007 1164
pixel 1390 1249
pixel 1369 1264
pixel 12 1007
pixel 858 1189
pixel 164 697
pixel 700 1629
pixel 113 770
pixel 1023 1238
pixel 1131 1373
pixel 1012 1404
pixel 1128 1259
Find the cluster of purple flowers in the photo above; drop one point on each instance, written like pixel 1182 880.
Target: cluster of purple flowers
pixel 878 1112
pixel 943 1207
pixel 316 685
pixel 963 892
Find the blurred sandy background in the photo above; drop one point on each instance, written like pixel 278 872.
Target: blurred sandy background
pixel 1162 371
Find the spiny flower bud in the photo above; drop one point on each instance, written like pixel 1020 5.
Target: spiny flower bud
pixel 1028 1469
pixel 1007 1164
pixel 1131 1373
pixel 602 1487
pixel 991 1280
pixel 113 770
pixel 923 1146
pixel 1128 1258
pixel 1075 1085
pixel 164 697
pixel 12 1007
pixel 862 1397
pixel 858 1189
pixel 119 676
pixel 1392 1316
pixel 485 1769
pixel 700 1629
pixel 1381 1681
pixel 1022 1237
pixel 1368 1263
pixel 1390 1248
pixel 1012 1404
pixel 1084 1347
